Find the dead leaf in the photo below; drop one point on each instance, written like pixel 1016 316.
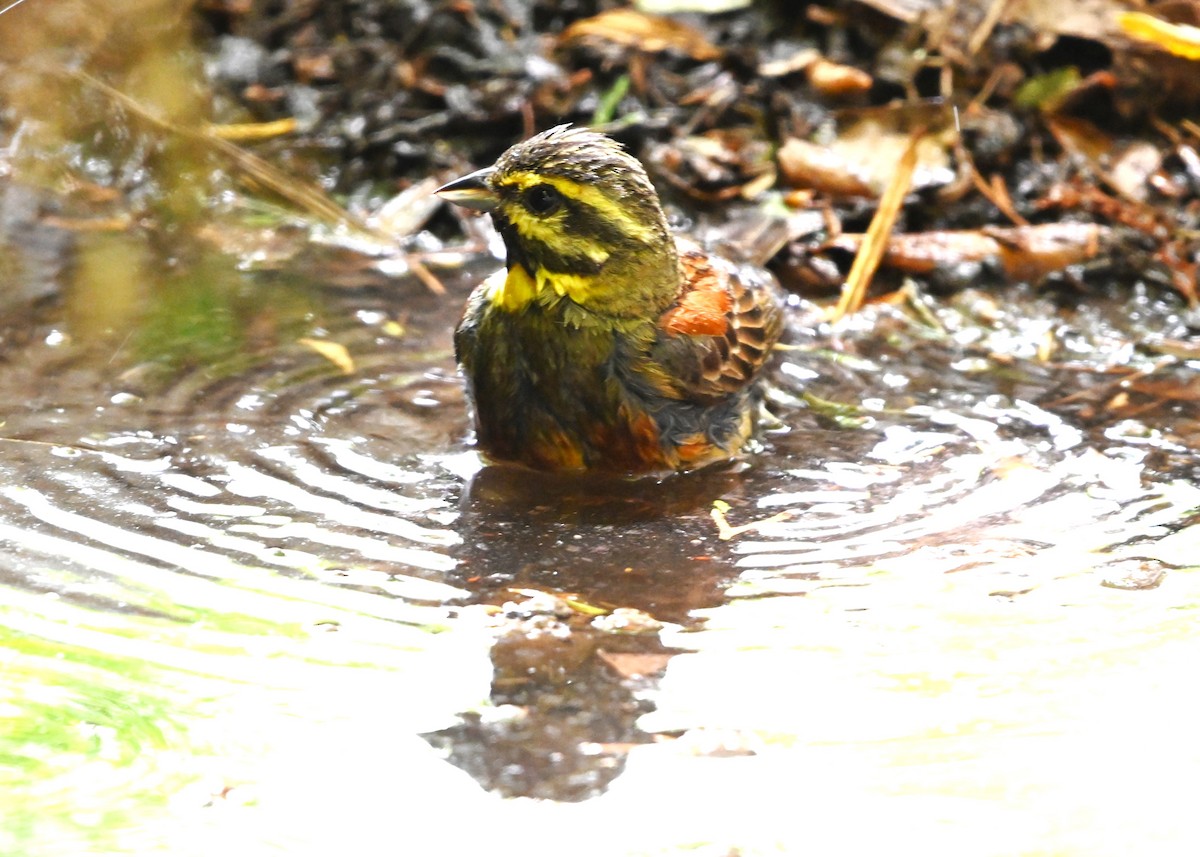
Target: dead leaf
pixel 1027 253
pixel 650 33
pixel 838 80
pixel 707 7
pixel 791 64
pixel 1167 388
pixel 635 664
pixel 811 166
pixel 861 159
pixel 334 352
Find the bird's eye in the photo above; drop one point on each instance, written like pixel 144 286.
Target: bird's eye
pixel 542 200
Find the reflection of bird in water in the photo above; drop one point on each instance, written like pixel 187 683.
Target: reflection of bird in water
pixel 645 543
pixel 607 344
pixel 581 569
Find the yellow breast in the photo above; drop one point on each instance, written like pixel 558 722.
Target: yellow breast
pixel 515 289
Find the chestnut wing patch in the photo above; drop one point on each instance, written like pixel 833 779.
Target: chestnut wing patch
pixel 703 310
pixel 717 336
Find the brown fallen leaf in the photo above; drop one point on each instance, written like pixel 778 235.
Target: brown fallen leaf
pixel 861 159
pixel 812 166
pixel 634 664
pixel 1125 165
pixel 1029 253
pixel 1171 389
pixel 1025 252
pixel 838 80
pixel 650 33
pixel 794 63
pixel 827 77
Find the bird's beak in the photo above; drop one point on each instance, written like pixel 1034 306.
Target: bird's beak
pixel 471 191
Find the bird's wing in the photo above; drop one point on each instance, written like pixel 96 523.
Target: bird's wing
pixel 718 334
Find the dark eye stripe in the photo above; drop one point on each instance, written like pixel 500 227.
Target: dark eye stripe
pixel 586 222
pixel 544 256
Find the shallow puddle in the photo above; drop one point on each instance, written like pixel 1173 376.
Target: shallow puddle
pixel 260 595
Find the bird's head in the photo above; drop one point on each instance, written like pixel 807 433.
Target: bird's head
pixel 580 220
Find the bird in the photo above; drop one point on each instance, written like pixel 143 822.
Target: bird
pixel 606 343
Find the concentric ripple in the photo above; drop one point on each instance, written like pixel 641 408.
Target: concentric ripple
pixel 231 570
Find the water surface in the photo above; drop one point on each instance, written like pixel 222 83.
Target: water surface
pixel 260 594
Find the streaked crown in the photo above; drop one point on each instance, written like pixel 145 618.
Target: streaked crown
pixel 587 167
pixel 580 217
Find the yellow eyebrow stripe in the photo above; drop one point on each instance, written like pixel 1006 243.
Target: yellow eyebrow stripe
pixel 590 196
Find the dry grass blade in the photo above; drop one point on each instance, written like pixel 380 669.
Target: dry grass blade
pixel 254 130
pixel 997 194
pixel 1182 40
pixel 875 241
pixel 726 531
pixel 426 276
pixel 986 26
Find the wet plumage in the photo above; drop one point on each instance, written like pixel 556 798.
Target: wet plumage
pixel 607 343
